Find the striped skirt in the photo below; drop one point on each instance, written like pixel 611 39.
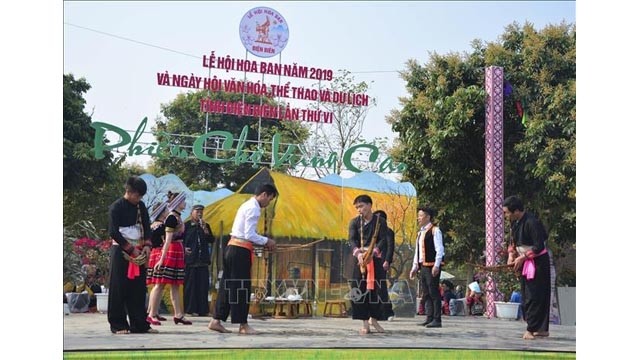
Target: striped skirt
pixel 172 269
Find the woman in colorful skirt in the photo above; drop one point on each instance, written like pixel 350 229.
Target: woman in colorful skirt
pixel 158 214
pixel 167 264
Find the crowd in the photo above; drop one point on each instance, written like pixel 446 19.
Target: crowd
pixel 159 249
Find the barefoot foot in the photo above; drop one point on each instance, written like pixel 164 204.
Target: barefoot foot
pixel 216 326
pixel 245 329
pixel 528 336
pixel 541 333
pixel 373 322
pixel 119 332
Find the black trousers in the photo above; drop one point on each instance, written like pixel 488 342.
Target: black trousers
pixel 431 294
pixel 126 296
pixel 196 289
pixel 235 285
pixel 387 308
pixel 536 296
pixel 365 303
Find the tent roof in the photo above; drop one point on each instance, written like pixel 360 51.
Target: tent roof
pixel 307 209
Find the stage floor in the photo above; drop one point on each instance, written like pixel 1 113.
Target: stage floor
pixel 90 331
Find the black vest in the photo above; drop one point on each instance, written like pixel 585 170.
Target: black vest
pixel 430 249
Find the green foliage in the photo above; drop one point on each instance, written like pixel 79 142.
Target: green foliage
pixel 441 133
pixel 183 118
pixel 93 204
pixel 81 171
pixel 89 185
pixel 441 130
pixel 544 152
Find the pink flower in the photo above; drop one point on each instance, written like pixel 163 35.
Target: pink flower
pixel 94 252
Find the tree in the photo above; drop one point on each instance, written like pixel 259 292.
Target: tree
pixel 402 220
pixel 184 122
pixel 442 144
pixel 92 206
pixel 544 67
pixel 348 121
pixel 84 177
pixel 80 169
pixel 441 133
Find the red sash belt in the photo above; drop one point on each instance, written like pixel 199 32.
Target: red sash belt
pixel 243 244
pixel 133 270
pixel 370 276
pixel 371 279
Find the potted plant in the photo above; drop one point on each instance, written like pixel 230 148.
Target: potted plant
pixel 507 282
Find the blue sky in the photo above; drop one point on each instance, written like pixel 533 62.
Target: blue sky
pixel 370 39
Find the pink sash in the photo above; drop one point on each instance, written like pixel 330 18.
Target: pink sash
pixel 529 267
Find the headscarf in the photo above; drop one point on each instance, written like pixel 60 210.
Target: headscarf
pixel 173 204
pixel 158 211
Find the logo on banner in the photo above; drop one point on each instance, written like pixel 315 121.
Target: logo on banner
pixel 264 32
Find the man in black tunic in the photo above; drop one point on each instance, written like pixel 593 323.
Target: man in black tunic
pixel 130 231
pixel 365 286
pixel 528 254
pixel 197 238
pixel 387 247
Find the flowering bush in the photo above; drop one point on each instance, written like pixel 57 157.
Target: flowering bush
pixel 83 255
pixel 95 253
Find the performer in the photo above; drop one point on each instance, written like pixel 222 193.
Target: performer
pixel 158 215
pixel 168 262
pixel 387 247
pixel 197 238
pixel 365 231
pixel 428 257
pixel 528 254
pixel 235 285
pixel 129 229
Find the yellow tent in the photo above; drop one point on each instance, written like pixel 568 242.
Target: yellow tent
pixel 309 210
pixel 303 212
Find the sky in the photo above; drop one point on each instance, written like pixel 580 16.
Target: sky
pixel 36 47
pixel 119 47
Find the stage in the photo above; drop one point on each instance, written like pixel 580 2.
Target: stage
pixel 90 332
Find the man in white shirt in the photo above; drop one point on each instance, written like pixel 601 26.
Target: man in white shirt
pixel 235 285
pixel 428 258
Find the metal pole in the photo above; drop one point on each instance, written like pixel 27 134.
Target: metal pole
pixel 315 273
pixel 260 118
pixel 244 83
pixel 279 76
pixel 317 123
pixel 206 117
